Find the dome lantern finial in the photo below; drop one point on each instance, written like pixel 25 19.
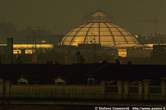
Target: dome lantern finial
pixel 99 13
pixel 99 16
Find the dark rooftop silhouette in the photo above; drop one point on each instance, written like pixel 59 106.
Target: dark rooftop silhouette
pixel 78 73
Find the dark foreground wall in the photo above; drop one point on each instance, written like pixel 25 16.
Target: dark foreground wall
pixel 79 72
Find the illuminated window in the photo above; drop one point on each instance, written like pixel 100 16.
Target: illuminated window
pixel 122 53
pixel 43 41
pixel 15 52
pixel 28 52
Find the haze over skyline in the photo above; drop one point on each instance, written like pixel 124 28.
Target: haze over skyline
pixel 61 16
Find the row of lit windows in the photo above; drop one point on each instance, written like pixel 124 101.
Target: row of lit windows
pixel 28 51
pixel 96 36
pixel 97 33
pixel 92 41
pixel 101 40
pixel 98 29
pixel 23 46
pixel 99 37
pixel 125 42
pixel 108 44
pixel 118 34
pixel 67 43
pixel 101 25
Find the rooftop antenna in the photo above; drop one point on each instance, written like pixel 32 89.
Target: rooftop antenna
pixel 34 48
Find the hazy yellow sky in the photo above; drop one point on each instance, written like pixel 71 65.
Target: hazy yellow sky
pixel 62 15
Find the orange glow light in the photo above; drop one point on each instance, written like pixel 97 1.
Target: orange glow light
pixel 30 46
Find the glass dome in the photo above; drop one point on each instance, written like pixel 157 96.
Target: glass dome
pixel 99 30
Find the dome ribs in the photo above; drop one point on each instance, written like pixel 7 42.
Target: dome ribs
pixel 90 27
pixel 123 35
pixel 75 35
pixel 113 37
pixel 101 31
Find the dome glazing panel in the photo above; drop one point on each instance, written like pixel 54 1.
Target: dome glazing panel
pixel 99 30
